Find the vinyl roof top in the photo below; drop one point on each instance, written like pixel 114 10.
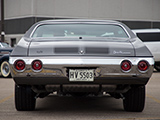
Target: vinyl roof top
pixel 79 20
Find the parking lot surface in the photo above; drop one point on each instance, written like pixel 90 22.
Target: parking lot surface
pixel 70 108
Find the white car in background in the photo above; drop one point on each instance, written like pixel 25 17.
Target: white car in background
pixel 151 38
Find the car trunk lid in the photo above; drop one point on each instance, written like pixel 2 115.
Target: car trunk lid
pixel 79 47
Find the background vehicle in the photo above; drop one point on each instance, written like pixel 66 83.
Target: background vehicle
pixel 5 50
pixel 80 57
pixel 4 45
pixel 151 38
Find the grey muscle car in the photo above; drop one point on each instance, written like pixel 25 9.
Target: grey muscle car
pixel 81 58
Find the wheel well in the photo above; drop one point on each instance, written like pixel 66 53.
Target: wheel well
pixel 157 62
pixel 3 61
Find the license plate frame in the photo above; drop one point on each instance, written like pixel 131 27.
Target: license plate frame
pixel 81 75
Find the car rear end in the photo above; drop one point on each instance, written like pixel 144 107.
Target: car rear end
pixel 114 62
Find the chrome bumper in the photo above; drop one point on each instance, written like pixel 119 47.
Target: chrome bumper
pixel 107 70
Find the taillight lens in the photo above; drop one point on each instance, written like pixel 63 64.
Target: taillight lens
pixel 19 65
pixel 126 65
pixel 37 65
pixel 143 65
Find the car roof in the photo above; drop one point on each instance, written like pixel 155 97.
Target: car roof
pixel 94 21
pixel 79 20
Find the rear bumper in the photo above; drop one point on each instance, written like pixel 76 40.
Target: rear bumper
pixel 107 70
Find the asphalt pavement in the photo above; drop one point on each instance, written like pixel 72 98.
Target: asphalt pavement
pixel 70 108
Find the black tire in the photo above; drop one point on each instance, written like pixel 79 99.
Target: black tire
pixel 24 98
pixel 134 99
pixel 157 66
pixel 5 70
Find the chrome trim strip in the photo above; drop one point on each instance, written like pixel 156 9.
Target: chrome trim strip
pixel 82 61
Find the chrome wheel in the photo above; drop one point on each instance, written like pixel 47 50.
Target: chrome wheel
pixel 5 70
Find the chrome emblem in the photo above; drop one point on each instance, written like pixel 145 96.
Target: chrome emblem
pixel 121 52
pixel 81 52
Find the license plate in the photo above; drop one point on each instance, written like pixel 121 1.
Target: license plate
pixel 81 75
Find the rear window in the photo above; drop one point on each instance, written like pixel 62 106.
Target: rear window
pixel 149 37
pixel 80 30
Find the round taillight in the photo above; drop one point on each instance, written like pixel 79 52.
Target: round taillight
pixel 126 65
pixel 19 65
pixel 143 65
pixel 37 65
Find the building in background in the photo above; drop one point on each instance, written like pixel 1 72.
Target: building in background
pixel 21 14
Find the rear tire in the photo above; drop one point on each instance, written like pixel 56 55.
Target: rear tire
pixel 157 66
pixel 24 98
pixel 5 70
pixel 134 99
